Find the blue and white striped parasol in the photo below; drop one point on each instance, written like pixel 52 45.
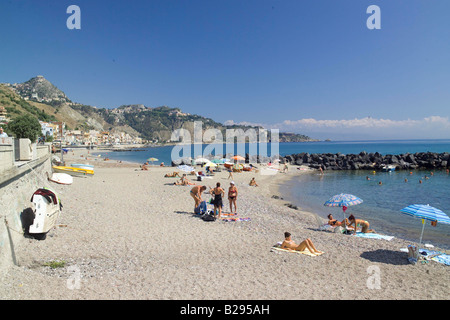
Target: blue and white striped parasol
pixel 343 200
pixel 426 212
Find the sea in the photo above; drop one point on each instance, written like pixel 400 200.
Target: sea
pixel 381 202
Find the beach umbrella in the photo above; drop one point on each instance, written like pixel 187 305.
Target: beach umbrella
pixel 201 160
pixel 218 161
pixel 238 158
pixel 185 168
pixel 210 164
pixel 343 200
pixel 425 212
pixel 152 159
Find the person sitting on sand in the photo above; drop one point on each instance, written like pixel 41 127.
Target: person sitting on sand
pixel 360 223
pixel 218 193
pixel 145 166
pixel 172 175
pixel 253 183
pixel 196 193
pixel 292 246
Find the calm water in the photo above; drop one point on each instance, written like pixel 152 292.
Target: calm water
pixel 381 204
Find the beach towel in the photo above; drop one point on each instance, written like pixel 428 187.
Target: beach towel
pixel 305 252
pixel 202 208
pixel 443 258
pixel 373 236
pixel 235 219
pixel 432 255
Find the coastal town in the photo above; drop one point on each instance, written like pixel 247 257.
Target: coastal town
pixel 57 131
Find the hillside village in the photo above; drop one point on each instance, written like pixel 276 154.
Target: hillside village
pixel 56 130
pixel 79 124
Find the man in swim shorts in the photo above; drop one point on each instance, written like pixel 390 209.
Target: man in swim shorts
pixel 196 193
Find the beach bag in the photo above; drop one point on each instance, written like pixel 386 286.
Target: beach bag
pixel 209 216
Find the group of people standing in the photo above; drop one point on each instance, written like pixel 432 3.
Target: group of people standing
pixel 218 193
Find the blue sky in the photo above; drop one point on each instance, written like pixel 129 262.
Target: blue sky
pixel 311 67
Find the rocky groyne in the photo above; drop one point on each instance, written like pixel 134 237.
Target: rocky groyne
pixel 371 161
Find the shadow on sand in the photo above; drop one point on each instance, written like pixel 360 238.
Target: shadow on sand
pixel 386 256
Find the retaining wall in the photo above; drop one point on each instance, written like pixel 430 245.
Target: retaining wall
pixel 18 182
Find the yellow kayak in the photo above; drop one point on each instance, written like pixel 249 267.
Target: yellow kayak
pixel 79 172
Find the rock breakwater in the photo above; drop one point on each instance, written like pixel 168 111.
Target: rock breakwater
pixel 371 161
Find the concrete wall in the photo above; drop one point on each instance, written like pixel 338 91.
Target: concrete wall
pixel 6 154
pixel 18 182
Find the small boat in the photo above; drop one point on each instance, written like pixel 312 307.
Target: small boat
pixel 47 208
pixel 61 178
pixel 77 172
pixel 388 168
pixel 82 166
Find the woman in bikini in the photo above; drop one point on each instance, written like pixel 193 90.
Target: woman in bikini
pixel 232 195
pixel 289 244
pixel 360 223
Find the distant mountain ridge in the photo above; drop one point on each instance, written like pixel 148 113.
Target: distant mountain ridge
pixel 45 101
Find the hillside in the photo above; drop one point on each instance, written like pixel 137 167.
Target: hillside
pixel 40 89
pixel 46 102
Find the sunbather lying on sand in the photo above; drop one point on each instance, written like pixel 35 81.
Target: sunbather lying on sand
pixel 335 223
pixel 172 175
pixel 184 182
pixel 291 245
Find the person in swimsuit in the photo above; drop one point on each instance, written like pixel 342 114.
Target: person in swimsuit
pixel 232 195
pixel 172 175
pixel 335 223
pixel 360 223
pixel 184 181
pixel 253 183
pixel 291 245
pixel 230 173
pixel 196 193
pixel 218 193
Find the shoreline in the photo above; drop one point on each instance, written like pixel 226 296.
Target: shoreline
pixel 398 231
pixel 132 234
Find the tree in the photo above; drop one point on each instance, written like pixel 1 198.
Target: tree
pixel 25 127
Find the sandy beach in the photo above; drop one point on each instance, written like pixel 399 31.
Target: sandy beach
pixel 131 234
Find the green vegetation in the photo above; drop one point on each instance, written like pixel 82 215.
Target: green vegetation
pixel 54 264
pixel 25 127
pixel 16 106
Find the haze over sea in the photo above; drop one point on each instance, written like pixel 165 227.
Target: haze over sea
pixel 382 204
